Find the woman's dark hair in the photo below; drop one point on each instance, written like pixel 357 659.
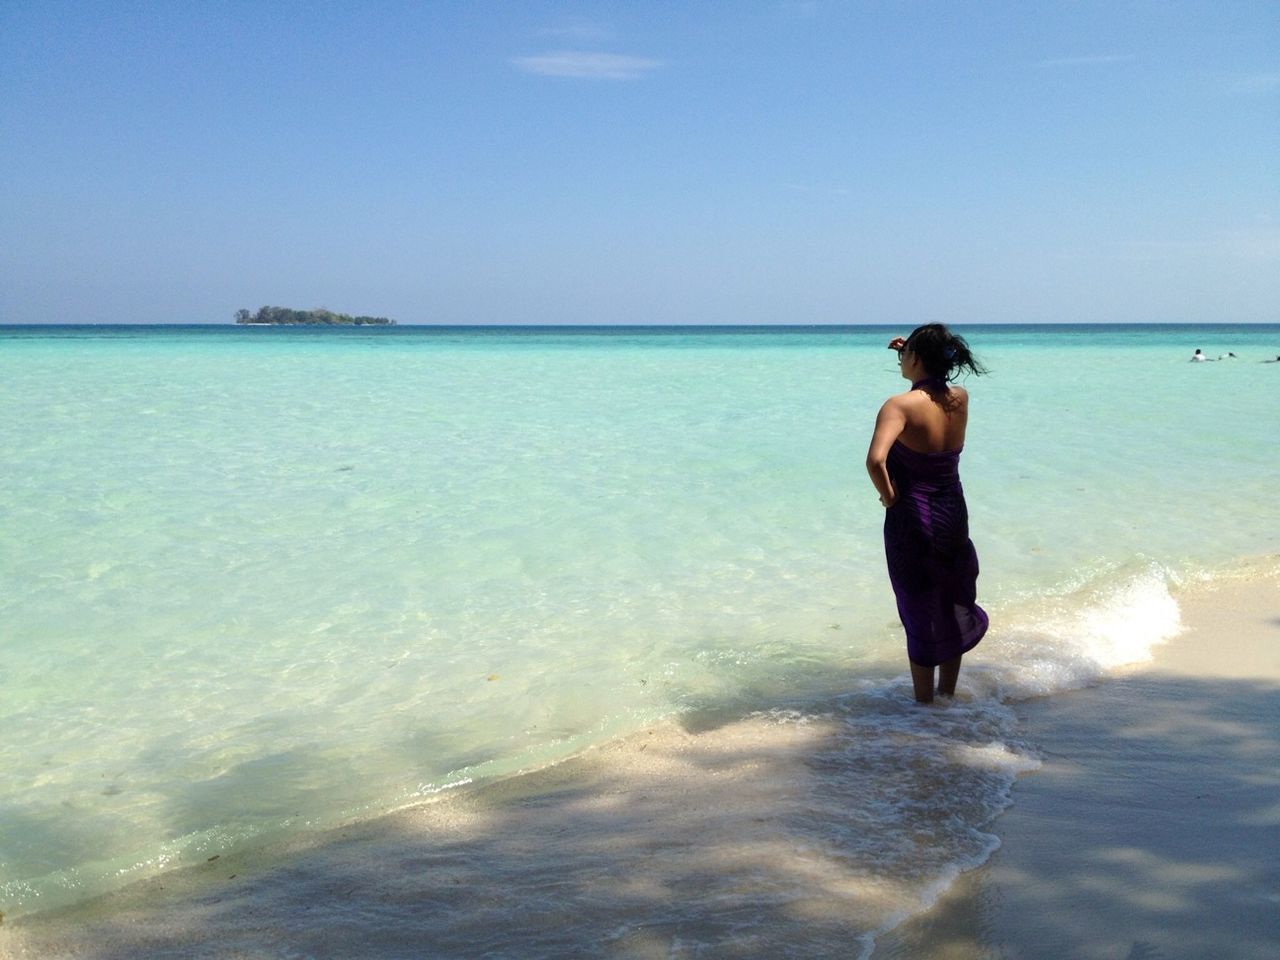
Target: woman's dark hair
pixel 943 353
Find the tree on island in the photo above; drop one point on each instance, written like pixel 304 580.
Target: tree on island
pixel 319 316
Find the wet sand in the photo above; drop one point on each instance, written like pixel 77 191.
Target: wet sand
pixel 1149 833
pixel 1153 830
pixel 656 846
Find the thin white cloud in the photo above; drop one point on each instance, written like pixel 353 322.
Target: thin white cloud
pixel 1257 84
pixel 1251 243
pixel 1256 243
pixel 587 65
pixel 1091 60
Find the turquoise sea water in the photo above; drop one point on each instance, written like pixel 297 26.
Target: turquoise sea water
pixel 258 580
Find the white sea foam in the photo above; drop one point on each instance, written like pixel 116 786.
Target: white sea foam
pixel 1069 640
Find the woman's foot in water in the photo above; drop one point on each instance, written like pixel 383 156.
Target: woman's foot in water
pixel 922 680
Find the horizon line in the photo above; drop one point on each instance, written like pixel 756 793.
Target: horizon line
pixel 650 326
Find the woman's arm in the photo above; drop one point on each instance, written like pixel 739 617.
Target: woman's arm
pixel 889 425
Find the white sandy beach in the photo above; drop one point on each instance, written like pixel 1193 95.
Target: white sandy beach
pixel 1150 832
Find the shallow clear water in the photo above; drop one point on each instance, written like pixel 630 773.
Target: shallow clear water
pixel 254 580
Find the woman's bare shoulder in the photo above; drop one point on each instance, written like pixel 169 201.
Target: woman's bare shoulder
pixel 898 401
pixel 895 407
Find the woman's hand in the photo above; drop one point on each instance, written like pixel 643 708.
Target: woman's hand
pixel 889 499
pixel 897 343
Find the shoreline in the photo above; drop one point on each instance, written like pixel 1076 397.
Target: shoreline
pixel 597 841
pixel 1151 829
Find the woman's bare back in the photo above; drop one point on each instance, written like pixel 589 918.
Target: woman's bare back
pixel 936 418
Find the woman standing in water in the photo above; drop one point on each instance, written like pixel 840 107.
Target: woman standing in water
pixel 914 462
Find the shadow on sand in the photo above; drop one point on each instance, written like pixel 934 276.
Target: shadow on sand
pixel 1150 833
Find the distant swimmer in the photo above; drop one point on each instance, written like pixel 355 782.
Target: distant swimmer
pixel 1227 356
pixel 1199 357
pixel 1276 360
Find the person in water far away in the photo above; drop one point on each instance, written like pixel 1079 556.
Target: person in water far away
pixel 913 462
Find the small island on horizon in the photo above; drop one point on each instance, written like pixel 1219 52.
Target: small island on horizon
pixel 278 316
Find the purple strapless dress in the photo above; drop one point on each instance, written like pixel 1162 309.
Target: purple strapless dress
pixel 932 563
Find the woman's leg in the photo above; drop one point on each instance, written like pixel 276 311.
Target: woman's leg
pixel 922 681
pixel 948 674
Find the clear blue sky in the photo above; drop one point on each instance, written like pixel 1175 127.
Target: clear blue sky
pixel 641 162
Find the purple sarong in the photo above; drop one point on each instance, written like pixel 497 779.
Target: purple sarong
pixel 932 563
